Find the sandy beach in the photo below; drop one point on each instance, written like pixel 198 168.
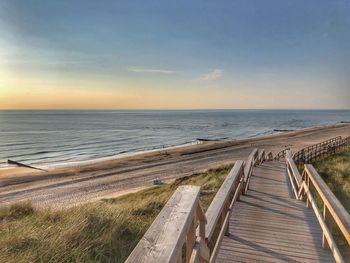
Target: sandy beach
pixel 68 186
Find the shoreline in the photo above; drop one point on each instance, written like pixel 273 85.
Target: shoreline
pixel 68 186
pixel 126 154
pixel 141 152
pixel 120 155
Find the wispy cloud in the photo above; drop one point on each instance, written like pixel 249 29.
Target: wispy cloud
pixel 151 70
pixel 215 74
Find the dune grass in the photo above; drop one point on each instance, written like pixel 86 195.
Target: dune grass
pixel 104 231
pixel 335 171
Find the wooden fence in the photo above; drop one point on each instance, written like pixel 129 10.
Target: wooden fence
pixel 173 236
pixel 321 150
pixel 281 154
pixel 316 151
pixel 309 185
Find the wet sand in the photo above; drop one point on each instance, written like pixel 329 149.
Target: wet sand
pixel 68 186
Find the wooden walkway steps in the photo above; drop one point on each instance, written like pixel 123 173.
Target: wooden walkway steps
pixel 269 225
pixel 264 211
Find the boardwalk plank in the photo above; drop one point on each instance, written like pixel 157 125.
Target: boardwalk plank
pixel 282 244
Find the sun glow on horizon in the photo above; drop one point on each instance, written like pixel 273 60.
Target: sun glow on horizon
pixel 233 55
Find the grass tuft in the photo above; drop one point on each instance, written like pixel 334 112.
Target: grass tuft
pixel 16 211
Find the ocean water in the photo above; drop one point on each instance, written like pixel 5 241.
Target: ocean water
pixel 45 138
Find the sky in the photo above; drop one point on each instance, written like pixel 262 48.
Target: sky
pixel 174 54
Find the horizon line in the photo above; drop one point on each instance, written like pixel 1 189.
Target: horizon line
pixel 163 109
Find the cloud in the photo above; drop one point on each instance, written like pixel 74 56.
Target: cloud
pixel 215 74
pixel 150 70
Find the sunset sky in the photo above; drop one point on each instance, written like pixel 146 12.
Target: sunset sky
pixel 174 54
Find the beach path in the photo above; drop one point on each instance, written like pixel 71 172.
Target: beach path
pixel 269 225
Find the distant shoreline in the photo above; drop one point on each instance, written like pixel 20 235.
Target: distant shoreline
pixel 157 149
pixel 53 139
pixel 122 155
pixel 68 186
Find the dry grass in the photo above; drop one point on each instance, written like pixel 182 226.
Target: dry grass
pixel 104 231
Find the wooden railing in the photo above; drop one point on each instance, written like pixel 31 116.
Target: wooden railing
pixel 304 188
pixel 293 173
pixel 248 168
pixel 325 148
pixel 174 229
pixel 261 156
pixel 219 211
pixel 281 154
pixel 269 156
pixel 316 151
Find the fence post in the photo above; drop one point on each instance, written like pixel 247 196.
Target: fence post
pixel 309 183
pixel 190 239
pixel 327 218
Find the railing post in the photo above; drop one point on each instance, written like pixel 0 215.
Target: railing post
pixel 327 218
pixel 227 230
pixel 191 238
pixel 247 183
pixel 241 182
pixel 202 222
pixel 303 196
pixel 303 156
pixel 179 259
pixel 227 207
pixel 308 182
pixel 243 186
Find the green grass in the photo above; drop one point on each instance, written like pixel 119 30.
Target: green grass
pixel 104 231
pixel 335 171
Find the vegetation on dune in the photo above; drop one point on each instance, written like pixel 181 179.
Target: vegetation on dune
pixel 335 171
pixel 104 231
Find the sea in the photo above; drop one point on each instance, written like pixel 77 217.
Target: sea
pixel 45 138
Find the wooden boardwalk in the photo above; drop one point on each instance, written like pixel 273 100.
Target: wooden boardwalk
pixel 269 225
pixel 264 211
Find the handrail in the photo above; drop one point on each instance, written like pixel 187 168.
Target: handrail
pixel 327 235
pixel 332 208
pixel 219 206
pixel 173 227
pixel 293 173
pixel 248 168
pixel 240 176
pixel 336 209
